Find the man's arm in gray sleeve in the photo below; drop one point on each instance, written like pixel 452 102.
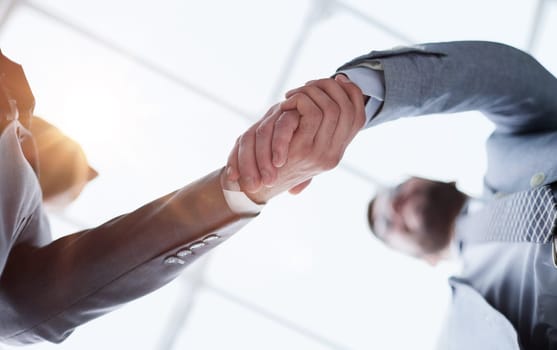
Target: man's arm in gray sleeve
pixel 49 288
pixel 506 84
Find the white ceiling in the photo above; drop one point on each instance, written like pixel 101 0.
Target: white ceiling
pixel 157 92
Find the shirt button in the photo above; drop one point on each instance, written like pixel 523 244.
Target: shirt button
pixel 537 179
pixel 172 260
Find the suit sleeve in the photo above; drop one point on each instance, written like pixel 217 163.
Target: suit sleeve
pixel 48 290
pixel 509 86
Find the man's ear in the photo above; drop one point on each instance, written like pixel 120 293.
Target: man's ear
pixel 91 173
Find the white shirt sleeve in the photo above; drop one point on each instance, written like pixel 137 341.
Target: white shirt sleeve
pixel 372 83
pixel 239 203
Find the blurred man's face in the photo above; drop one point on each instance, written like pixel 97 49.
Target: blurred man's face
pixel 417 217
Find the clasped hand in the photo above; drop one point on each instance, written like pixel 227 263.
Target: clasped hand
pixel 296 139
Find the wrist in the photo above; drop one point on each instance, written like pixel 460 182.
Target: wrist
pixel 237 200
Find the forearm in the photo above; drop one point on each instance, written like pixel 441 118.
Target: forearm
pixel 86 274
pixel 506 84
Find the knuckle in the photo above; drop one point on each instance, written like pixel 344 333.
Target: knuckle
pixel 262 130
pixel 245 141
pixel 330 161
pixel 274 108
pixel 242 139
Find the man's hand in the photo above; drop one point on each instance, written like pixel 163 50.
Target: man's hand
pixel 297 139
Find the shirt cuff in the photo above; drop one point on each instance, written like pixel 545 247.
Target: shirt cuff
pixel 239 203
pixel 372 84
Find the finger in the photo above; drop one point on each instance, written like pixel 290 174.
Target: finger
pixel 290 93
pixel 239 169
pixel 247 164
pixel 300 187
pixel 298 89
pixel 285 126
pixel 358 100
pixel 322 99
pixel 344 132
pixel 263 148
pixel 311 114
pixel 232 173
pixel 332 120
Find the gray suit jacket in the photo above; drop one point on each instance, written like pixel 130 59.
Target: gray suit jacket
pixel 520 97
pixel 47 288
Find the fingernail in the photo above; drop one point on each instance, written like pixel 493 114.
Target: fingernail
pixel 342 78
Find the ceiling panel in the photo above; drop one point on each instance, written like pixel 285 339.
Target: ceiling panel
pixel 234 50
pixel 434 20
pixel 326 47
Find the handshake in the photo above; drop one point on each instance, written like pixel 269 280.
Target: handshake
pixel 296 139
